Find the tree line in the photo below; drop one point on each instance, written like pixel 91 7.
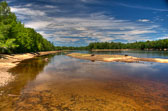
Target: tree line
pixel 147 45
pixel 16 38
pixel 154 45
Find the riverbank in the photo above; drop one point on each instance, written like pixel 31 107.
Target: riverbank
pixel 115 58
pixel 9 61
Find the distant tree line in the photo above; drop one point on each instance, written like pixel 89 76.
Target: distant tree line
pixel 150 45
pixel 155 45
pixel 15 38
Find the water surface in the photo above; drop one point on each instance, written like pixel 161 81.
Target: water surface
pixel 136 53
pixel 68 84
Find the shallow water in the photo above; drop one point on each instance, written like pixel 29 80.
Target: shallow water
pixel 137 53
pixel 68 84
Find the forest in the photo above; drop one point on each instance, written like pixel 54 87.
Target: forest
pixel 16 38
pixel 154 45
pixel 147 45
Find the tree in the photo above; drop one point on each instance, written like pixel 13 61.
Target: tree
pixel 15 38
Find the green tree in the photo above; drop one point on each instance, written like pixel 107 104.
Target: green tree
pixel 14 37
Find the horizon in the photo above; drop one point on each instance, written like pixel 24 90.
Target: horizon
pixel 80 22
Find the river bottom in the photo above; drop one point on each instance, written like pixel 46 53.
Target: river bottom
pixel 68 84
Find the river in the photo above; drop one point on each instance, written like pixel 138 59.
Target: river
pixel 67 84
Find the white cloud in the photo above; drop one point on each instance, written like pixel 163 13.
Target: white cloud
pixel 142 7
pixel 59 39
pixel 29 5
pixel 49 6
pixel 27 11
pixel 144 20
pixel 88 27
pixel 95 27
pixel 164 37
pixel 38 24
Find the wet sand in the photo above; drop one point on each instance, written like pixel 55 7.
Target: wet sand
pixel 115 58
pixel 9 61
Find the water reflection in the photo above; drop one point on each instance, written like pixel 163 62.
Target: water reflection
pixel 75 68
pixel 69 84
pixel 25 72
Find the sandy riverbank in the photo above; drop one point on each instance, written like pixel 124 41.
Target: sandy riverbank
pixel 115 58
pixel 10 61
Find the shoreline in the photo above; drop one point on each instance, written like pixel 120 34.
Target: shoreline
pixel 9 61
pixel 115 58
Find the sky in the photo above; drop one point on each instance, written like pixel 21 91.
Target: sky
pixel 80 22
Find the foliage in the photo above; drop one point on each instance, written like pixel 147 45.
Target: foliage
pixel 15 38
pixel 154 45
pixel 158 44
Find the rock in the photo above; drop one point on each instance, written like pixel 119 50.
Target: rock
pixel 46 59
pixel 92 54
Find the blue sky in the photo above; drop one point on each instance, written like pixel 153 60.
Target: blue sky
pixel 79 22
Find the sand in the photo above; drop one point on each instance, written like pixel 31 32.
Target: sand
pixel 115 58
pixel 9 61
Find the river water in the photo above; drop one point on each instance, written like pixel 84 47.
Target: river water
pixel 67 84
